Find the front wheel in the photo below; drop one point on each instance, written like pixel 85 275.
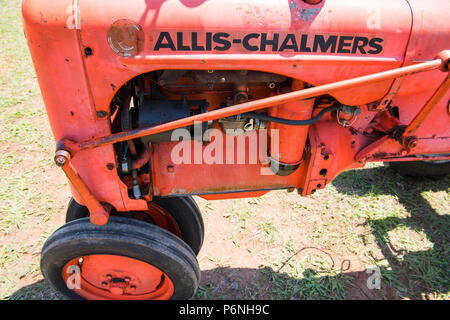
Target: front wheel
pixel 125 259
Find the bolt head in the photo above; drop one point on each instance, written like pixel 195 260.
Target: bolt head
pixel 102 114
pixel 60 160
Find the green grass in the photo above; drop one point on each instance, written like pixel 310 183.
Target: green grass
pixel 368 217
pixel 17 78
pixel 278 246
pixel 28 207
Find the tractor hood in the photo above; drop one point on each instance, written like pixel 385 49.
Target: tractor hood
pixel 316 43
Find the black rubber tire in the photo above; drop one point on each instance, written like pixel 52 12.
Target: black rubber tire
pixel 124 237
pixel 420 169
pixel 183 210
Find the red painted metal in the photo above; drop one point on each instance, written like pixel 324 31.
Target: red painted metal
pixel 288 152
pixel 428 107
pixel 98 214
pixel 78 87
pixel 155 215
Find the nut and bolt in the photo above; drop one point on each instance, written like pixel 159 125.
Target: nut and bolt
pixel 408 142
pixel 61 157
pixel 60 160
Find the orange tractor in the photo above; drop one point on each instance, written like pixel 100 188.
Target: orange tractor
pixel 154 101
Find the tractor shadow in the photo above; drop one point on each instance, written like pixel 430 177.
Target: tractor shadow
pixel 155 7
pixel 269 284
pixel 408 274
pixel 40 290
pixel 421 272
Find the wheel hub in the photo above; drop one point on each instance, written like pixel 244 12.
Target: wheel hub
pixel 119 286
pixel 118 277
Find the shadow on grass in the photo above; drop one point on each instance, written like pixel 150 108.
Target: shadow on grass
pixel 409 274
pixel 266 283
pixel 40 290
pixel 422 272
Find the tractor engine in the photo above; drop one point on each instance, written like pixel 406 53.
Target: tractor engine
pixel 163 96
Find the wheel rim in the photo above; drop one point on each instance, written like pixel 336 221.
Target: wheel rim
pixel 113 277
pixel 155 215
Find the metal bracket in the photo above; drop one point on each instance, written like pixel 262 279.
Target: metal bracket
pixel 98 214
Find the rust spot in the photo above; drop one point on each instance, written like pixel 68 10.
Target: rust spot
pixel 379 155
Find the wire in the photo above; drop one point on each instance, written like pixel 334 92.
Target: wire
pixel 264 117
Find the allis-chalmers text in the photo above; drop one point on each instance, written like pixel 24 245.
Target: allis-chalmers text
pixel 267 42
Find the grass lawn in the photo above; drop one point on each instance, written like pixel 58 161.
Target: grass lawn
pixel 279 246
